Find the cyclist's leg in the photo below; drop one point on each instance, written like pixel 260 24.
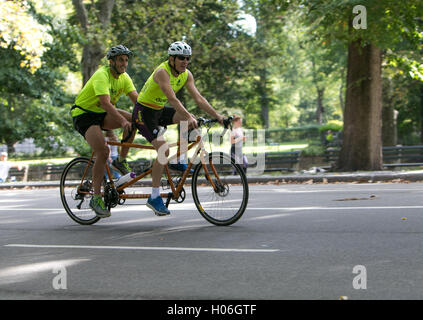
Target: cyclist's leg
pixel 147 120
pixel 111 123
pixel 128 116
pixel 162 148
pixel 186 134
pixel 97 142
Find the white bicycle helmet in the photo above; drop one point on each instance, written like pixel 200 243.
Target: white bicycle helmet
pixel 179 48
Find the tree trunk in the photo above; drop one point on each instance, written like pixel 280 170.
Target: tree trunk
pixel 93 50
pixel 421 110
pixel 263 97
pixel 362 137
pixel 341 92
pixel 262 84
pixel 91 56
pixel 389 114
pixel 320 109
pixel 10 147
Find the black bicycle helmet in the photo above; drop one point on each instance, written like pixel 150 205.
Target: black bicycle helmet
pixel 118 51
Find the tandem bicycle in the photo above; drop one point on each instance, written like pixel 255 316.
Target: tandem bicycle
pixel 219 185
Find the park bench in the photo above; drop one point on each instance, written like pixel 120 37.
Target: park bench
pixel 393 156
pixel 140 165
pixel 54 171
pixel 279 161
pixel 18 175
pixel 400 156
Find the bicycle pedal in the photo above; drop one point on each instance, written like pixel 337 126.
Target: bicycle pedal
pixel 169 197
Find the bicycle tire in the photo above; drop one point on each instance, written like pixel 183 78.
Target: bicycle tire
pixel 73 193
pixel 226 205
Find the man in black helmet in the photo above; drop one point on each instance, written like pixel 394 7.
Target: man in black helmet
pixel 95 110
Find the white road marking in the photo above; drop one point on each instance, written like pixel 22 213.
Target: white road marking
pixel 336 208
pixel 141 248
pixel 25 272
pixel 189 208
pixel 270 216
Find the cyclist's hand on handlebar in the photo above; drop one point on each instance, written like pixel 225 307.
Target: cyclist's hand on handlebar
pixel 220 119
pixel 192 122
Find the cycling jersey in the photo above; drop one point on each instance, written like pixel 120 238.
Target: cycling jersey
pixel 152 95
pixel 102 82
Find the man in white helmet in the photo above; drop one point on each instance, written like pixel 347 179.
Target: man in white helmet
pixel 150 111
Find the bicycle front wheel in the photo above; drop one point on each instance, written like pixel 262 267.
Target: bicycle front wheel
pixel 220 191
pixel 76 190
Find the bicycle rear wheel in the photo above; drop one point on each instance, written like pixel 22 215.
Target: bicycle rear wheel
pixel 76 190
pixel 226 203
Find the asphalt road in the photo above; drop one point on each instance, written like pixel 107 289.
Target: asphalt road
pixel 295 241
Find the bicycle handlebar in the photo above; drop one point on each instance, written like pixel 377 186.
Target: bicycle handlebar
pixel 226 123
pixel 200 122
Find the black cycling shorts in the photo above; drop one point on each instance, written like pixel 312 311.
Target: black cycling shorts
pixel 148 120
pixel 82 122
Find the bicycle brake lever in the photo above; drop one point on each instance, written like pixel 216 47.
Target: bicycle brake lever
pixel 200 121
pixel 227 123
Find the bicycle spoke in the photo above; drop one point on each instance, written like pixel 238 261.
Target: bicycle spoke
pixel 220 191
pixel 76 191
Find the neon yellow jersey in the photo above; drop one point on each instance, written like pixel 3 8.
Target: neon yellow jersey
pixel 102 82
pixel 151 94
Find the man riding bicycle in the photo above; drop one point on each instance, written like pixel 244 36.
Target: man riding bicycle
pixel 150 111
pixel 95 110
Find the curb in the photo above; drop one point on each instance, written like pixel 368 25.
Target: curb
pixel 358 177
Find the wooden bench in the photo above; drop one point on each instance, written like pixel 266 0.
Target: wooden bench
pixel 280 161
pixel 53 171
pixel 140 165
pixel 18 175
pixel 400 156
pixel 393 156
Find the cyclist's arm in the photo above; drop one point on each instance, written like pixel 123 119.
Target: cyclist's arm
pixel 200 100
pixel 110 109
pixel 133 95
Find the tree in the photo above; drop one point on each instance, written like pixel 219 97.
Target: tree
pixel 34 52
pixel 222 53
pixel 269 20
pixel 392 23
pixel 94 20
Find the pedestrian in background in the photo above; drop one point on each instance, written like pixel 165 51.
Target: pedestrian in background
pixel 237 141
pixel 5 167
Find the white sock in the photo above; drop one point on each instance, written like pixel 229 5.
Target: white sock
pixel 155 193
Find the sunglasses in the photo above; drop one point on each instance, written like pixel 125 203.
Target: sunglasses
pixel 182 58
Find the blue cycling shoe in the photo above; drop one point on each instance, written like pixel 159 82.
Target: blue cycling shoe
pixel 157 206
pixel 180 167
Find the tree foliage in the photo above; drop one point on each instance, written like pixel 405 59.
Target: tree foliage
pixel 291 70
